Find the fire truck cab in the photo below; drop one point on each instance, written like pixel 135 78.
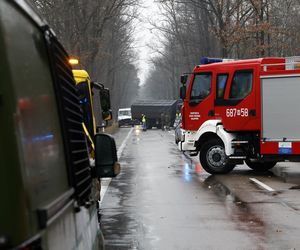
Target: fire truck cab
pixel 242 111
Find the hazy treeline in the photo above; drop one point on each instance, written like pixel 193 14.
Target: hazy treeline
pixel 219 28
pixel 99 33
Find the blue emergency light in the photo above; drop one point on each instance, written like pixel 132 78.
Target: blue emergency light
pixel 207 60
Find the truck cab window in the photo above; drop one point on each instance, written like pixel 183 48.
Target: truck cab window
pixel 241 85
pixel 201 86
pixel 85 103
pixel 221 85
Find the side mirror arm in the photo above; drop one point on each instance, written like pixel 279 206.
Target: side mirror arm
pixel 97 85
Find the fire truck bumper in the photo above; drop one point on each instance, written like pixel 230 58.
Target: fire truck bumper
pixel 186 146
pixel 188 142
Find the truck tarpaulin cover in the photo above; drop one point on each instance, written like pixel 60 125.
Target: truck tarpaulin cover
pixel 153 108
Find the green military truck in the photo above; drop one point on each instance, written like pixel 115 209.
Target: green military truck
pixel 46 179
pixel 156 112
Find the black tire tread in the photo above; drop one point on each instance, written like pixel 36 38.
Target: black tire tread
pixel 260 166
pixel 202 156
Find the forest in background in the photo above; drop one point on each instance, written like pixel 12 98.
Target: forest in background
pixel 101 34
pixel 240 29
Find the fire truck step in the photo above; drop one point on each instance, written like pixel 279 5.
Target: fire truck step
pixel 239 142
pixel 237 157
pixel 194 153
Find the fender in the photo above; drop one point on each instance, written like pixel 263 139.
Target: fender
pixel 215 126
pixel 227 139
pixel 208 126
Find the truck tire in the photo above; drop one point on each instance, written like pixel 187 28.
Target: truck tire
pixel 213 158
pixel 260 166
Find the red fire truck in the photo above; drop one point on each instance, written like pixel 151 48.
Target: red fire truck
pixel 242 111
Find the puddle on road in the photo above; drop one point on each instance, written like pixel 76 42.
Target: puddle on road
pixel 188 169
pixel 122 228
pixel 239 212
pixel 122 215
pixel 115 215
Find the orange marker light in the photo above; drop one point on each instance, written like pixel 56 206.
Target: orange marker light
pixel 73 61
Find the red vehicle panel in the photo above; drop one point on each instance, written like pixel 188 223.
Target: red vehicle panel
pixel 273 148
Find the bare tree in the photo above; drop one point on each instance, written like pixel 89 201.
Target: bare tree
pixel 99 33
pixel 227 28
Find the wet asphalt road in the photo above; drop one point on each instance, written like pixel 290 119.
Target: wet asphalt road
pixel 165 200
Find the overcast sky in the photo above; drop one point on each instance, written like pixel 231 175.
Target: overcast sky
pixel 145 35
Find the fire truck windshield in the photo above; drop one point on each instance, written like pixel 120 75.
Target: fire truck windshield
pixel 201 86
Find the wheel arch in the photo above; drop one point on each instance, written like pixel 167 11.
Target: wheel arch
pixel 213 129
pixel 205 137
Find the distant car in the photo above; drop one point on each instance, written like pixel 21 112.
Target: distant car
pixel 178 131
pixel 124 117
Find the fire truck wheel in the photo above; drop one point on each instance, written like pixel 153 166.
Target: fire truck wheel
pixel 213 158
pixel 260 166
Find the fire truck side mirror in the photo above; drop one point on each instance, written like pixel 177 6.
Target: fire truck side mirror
pixel 182 92
pixel 106 159
pixel 183 79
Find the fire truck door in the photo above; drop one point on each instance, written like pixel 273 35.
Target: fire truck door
pixel 200 100
pixel 235 102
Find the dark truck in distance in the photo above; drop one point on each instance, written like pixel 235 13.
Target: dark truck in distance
pixel 48 197
pixel 157 112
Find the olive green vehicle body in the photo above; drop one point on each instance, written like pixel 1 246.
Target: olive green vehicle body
pixel 38 201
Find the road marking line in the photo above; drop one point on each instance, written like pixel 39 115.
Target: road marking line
pixel 120 150
pixel 262 185
pixel 108 180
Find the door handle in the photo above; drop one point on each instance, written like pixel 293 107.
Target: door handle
pixel 211 113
